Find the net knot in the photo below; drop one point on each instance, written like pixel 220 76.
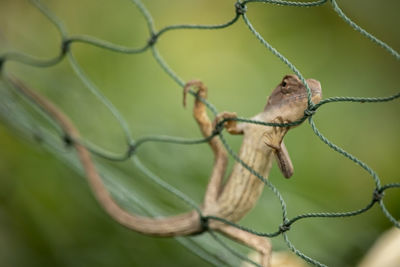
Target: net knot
pixel 309 112
pixel 377 195
pixel 65 45
pixel 204 223
pixel 152 40
pixel 131 150
pixel 240 8
pixel 218 128
pixel 285 226
pixel 68 140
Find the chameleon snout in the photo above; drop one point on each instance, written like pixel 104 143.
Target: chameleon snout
pixel 316 91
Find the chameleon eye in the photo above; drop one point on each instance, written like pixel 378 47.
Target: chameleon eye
pixel 285 88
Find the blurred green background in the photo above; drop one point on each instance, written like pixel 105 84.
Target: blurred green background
pixel 48 216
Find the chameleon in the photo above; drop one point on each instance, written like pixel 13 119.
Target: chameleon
pixel 231 199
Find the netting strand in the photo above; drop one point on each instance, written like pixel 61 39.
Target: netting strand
pixel 133 145
pixel 356 27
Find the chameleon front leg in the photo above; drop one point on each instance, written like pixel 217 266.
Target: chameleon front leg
pixel 274 139
pixel 283 160
pixel 258 243
pixel 220 155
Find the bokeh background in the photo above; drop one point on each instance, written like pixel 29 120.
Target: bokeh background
pixel 48 216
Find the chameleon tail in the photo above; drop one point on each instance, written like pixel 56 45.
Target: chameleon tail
pixel 184 224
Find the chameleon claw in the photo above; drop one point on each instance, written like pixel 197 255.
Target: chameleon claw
pixel 202 89
pixel 274 138
pixel 231 125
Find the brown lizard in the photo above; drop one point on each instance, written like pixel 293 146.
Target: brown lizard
pixel 230 200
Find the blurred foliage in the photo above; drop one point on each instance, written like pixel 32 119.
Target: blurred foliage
pixel 48 216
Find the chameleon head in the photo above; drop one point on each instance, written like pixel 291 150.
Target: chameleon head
pixel 289 98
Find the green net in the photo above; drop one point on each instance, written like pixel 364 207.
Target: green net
pixel 19 115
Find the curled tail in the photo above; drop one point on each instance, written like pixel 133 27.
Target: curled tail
pixel 184 224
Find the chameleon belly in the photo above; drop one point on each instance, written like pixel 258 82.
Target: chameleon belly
pixel 243 188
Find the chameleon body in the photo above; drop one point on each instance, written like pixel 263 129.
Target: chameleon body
pixel 230 200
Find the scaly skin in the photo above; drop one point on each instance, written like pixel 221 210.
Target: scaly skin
pixel 260 144
pixel 231 200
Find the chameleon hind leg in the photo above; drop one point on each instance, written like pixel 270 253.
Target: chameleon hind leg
pixel 258 243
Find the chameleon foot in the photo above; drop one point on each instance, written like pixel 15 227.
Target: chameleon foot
pixel 274 138
pixel 230 125
pixel 201 89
